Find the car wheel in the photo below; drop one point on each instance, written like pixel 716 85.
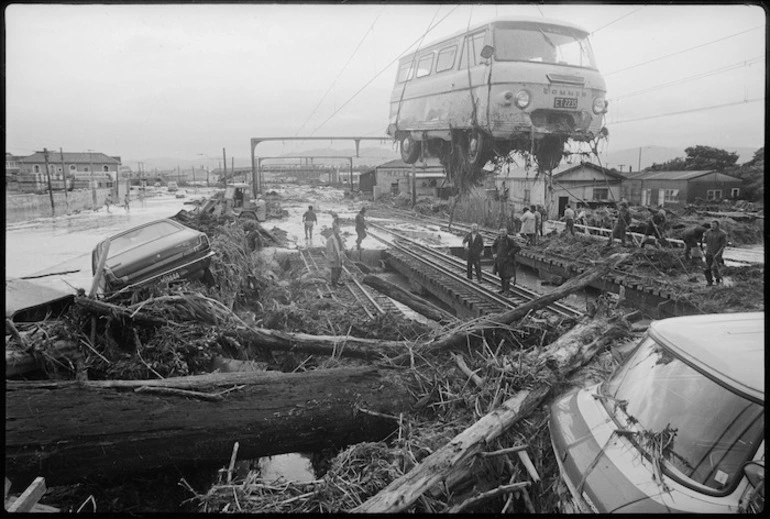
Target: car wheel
pixel 410 150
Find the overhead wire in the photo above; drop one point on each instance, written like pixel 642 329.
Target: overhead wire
pixel 682 51
pixel 692 110
pixel 617 20
pixel 702 75
pixel 344 67
pixel 383 70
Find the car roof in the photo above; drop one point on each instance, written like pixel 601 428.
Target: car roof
pixel 729 348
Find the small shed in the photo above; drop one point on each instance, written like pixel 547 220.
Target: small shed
pixel 679 187
pixel 396 177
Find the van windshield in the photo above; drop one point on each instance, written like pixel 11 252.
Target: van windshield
pixel 713 430
pixel 542 43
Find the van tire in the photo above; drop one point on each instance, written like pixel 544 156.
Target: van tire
pixel 477 148
pixel 410 149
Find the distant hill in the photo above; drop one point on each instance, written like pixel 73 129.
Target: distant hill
pixel 659 154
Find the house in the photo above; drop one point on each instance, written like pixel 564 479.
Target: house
pixel 395 177
pixel 83 170
pixel 11 169
pixel 652 188
pixel 584 183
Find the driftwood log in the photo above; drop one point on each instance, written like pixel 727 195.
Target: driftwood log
pixel 452 461
pixel 414 302
pixel 65 431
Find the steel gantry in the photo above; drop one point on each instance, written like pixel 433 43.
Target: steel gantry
pixel 256 173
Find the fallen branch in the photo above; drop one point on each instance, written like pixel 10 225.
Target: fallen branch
pixel 465 369
pixel 499 491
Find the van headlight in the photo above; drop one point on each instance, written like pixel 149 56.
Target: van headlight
pixel 522 99
pixel 599 105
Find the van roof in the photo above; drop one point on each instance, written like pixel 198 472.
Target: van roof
pixel 531 19
pixel 729 348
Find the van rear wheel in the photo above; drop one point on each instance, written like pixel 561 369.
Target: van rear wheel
pixel 477 148
pixel 410 150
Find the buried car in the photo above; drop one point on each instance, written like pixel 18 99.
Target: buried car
pixel 163 250
pixel 678 427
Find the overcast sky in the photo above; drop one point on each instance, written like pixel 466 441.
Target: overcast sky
pixel 143 81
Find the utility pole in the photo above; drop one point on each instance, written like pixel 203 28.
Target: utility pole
pixel 48 175
pixel 64 176
pixel 639 163
pixel 224 161
pixel 93 184
pixel 178 174
pixel 232 167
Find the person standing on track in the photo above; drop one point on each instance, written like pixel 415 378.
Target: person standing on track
pixel 504 252
pixel 474 246
pixel 716 241
pixel 528 225
pixel 334 252
pixel 569 219
pixel 309 219
pixel 360 227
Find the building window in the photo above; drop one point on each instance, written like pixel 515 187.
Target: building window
pixel 714 194
pixel 86 169
pixel 105 168
pixel 446 59
pixel 526 196
pixel 670 195
pixel 601 193
pixel 735 192
pixel 73 167
pixel 36 168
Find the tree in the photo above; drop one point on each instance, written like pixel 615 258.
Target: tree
pixel 677 164
pixel 753 175
pixel 701 158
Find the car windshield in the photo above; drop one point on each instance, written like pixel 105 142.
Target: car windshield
pixel 543 43
pixel 141 236
pixel 713 431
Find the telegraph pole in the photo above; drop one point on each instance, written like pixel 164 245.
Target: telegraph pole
pixel 64 176
pixel 48 175
pixel 224 162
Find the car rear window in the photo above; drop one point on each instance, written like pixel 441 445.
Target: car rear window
pixel 140 236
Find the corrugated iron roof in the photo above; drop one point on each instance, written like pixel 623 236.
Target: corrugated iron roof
pixel 400 164
pixel 70 158
pixel 668 175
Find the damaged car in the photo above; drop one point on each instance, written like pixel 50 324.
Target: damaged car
pixel 678 427
pixel 158 251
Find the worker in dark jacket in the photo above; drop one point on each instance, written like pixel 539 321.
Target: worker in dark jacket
pixel 693 238
pixel 656 227
pixel 716 241
pixel 360 227
pixel 504 251
pixel 474 246
pixel 622 223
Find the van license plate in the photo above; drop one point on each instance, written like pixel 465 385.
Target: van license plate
pixel 565 102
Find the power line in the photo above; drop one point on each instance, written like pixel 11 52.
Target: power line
pixel 617 20
pixel 692 110
pixel 384 69
pixel 682 51
pixel 702 75
pixel 344 67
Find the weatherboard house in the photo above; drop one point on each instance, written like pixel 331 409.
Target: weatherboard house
pixel 652 188
pixel 395 177
pixel 584 183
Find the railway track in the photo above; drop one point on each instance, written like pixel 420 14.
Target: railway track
pixel 445 276
pixel 373 303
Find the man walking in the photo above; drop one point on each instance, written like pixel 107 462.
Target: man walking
pixel 360 227
pixel 309 219
pixel 474 247
pixel 127 203
pixel 569 219
pixel 505 249
pixel 716 240
pixel 622 223
pixel 334 252
pixel 693 239
pixel 541 222
pixel 528 222
pixel 108 202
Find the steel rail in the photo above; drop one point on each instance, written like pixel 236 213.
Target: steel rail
pixel 524 295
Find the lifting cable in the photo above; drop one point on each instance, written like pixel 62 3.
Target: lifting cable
pixel 616 20
pixel 381 71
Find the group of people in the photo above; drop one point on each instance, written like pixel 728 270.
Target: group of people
pixel 335 249
pixel 126 202
pixel 504 250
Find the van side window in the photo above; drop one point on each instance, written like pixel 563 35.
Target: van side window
pixel 476 43
pixel 424 65
pixel 405 71
pixel 446 58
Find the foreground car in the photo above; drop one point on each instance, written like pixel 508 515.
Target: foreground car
pixel 679 426
pixel 157 251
